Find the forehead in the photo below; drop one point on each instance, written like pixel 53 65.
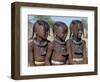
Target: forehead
pixel 77 26
pixel 62 29
pixel 40 27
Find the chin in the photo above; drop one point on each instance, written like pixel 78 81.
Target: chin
pixel 44 38
pixel 79 37
pixel 63 39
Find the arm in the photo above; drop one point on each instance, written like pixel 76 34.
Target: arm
pixel 49 54
pixel 70 59
pixel 84 53
pixel 30 54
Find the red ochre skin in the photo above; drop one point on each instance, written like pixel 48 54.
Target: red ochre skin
pixel 77 46
pixel 57 53
pixel 37 48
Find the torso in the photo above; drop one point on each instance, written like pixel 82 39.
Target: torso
pixel 39 52
pixel 77 49
pixel 59 52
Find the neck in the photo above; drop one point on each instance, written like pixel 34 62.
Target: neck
pixel 76 39
pixel 59 39
pixel 39 39
pixel 40 42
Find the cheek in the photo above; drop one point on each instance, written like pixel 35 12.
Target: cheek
pixel 75 33
pixel 42 32
pixel 80 34
pixel 65 35
pixel 46 33
pixel 59 34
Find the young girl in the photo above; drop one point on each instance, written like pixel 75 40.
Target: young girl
pixel 37 49
pixel 77 46
pixel 57 50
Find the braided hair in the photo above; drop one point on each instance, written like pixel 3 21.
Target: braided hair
pixel 74 22
pixel 38 23
pixel 59 24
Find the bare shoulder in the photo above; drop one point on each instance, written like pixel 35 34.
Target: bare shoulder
pixel 69 41
pixel 51 45
pixel 30 43
pixel 83 42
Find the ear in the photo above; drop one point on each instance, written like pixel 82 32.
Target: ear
pixel 36 32
pixel 54 34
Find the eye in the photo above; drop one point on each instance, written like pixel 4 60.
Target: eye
pixel 79 29
pixel 46 32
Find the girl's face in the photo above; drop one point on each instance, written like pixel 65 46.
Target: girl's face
pixel 61 33
pixel 77 31
pixel 42 32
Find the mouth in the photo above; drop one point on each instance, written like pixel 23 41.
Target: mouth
pixel 44 38
pixel 63 38
pixel 79 36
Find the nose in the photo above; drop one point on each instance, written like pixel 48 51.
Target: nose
pixel 45 33
pixel 62 35
pixel 80 32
